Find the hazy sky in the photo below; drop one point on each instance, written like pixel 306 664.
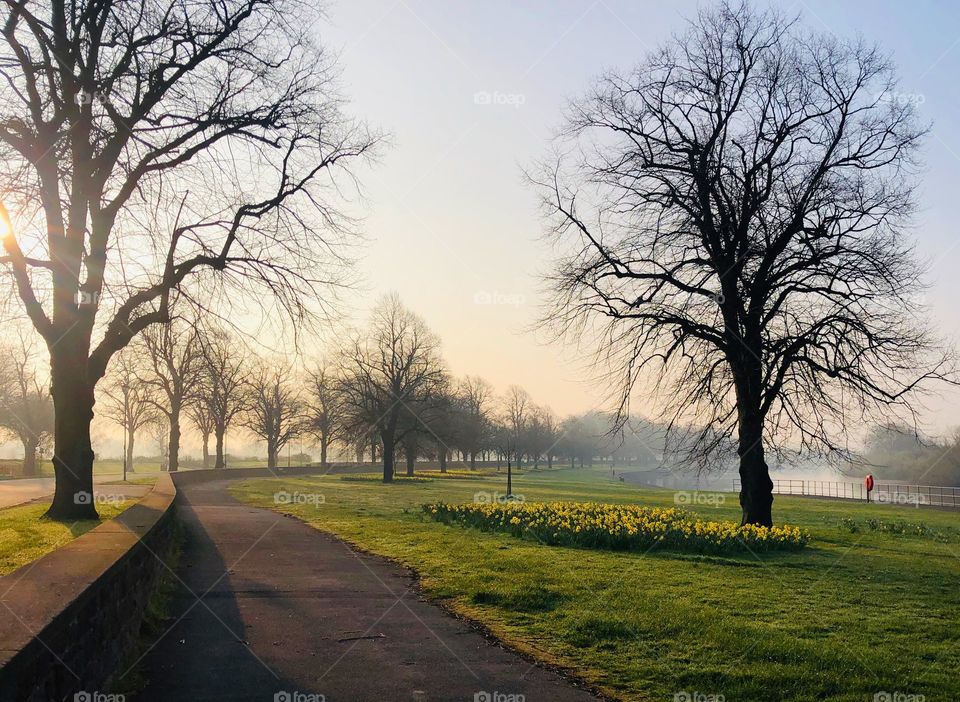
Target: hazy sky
pixel 472 91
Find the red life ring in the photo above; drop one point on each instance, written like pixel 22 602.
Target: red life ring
pixel 868 481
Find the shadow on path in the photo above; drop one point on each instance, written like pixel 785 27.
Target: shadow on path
pixel 286 608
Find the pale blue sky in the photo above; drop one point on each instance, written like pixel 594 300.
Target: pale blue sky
pixel 449 217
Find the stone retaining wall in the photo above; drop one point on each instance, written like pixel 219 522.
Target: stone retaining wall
pixel 72 617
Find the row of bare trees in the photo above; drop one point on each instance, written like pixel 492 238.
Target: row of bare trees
pixel 183 373
pixel 389 390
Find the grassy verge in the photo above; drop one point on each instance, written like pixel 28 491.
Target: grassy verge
pixel 856 613
pixel 26 535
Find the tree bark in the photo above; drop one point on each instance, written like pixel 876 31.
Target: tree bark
pixel 271 455
pixel 388 450
pixel 442 451
pixel 129 457
pixel 219 463
pixel 206 450
pixel 411 456
pixel 72 451
pixel 30 458
pixel 173 452
pixel 473 460
pixel 756 488
pixel 323 452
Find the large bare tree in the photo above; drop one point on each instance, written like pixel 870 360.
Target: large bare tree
pixel 732 216
pixel 156 146
pixel 390 374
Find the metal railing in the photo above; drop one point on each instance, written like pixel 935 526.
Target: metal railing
pixel 882 493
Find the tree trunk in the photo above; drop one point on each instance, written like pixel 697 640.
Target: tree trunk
pixel 323 453
pixel 549 460
pixel 756 488
pixel 360 453
pixel 411 456
pixel 388 450
pixel 473 460
pixel 173 452
pixel 271 455
pixel 442 451
pixel 219 463
pixel 72 452
pixel 30 458
pixel 206 450
pixel 509 479
pixel 131 435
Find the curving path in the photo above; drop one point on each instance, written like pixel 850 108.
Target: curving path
pixel 268 605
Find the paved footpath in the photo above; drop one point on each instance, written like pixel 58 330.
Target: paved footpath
pixel 270 609
pixel 22 490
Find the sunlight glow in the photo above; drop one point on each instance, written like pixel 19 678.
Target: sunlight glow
pixel 6 229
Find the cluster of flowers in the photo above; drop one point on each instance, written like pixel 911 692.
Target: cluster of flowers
pixel 618 527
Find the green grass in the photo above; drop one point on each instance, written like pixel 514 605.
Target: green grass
pixel 26 535
pixel 856 613
pixel 149 480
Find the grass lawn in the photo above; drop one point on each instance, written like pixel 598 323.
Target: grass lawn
pixel 26 535
pixel 859 611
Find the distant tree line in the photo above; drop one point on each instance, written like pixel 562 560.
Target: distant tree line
pixel 897 451
pixel 385 396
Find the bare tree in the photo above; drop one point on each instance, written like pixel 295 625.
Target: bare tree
pixel 386 373
pixel 517 408
pixel 222 386
pixel 324 412
pixel 274 410
pixel 115 120
pixel 735 229
pixel 26 411
pixel 475 397
pixel 198 410
pixel 173 354
pixel 128 399
pixel 542 434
